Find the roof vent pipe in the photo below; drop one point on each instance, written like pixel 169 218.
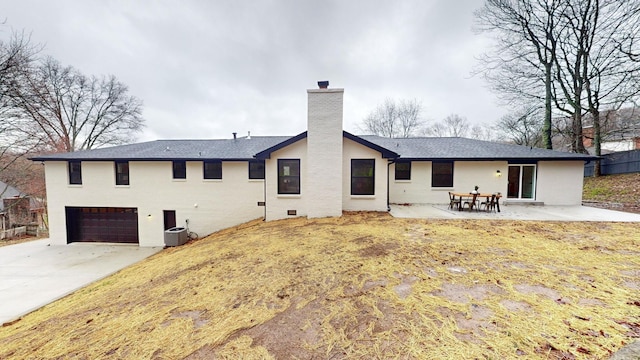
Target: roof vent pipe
pixel 248 135
pixel 234 135
pixel 323 84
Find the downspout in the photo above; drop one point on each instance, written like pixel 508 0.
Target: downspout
pixel 264 191
pixel 388 182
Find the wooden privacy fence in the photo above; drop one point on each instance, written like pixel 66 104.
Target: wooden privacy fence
pixel 616 163
pixel 11 233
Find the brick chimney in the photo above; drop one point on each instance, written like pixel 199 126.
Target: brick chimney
pixel 324 151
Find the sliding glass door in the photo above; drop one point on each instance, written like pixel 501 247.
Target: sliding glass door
pixel 522 181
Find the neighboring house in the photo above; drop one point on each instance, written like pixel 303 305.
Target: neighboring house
pixel 132 193
pixel 621 140
pixel 619 131
pixel 18 208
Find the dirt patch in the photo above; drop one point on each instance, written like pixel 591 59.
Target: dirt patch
pixel 633 285
pixel 513 305
pixel 198 317
pixel 472 325
pixel 378 250
pixel 538 290
pixel 591 302
pixel 404 288
pixel 463 294
pixel 289 334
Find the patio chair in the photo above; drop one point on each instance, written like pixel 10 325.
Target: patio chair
pixel 453 202
pixel 472 203
pixel 490 203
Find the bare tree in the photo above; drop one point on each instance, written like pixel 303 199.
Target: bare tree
pixel 452 126
pixel 589 46
pixel 484 132
pixel 69 111
pixel 16 57
pixel 526 50
pixel 394 119
pixel 611 79
pixel 522 127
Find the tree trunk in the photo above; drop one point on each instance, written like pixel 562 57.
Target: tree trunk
pixel 597 140
pixel 546 129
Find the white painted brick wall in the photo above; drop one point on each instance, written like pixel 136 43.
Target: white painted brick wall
pixel 278 205
pixel 324 153
pixel 220 203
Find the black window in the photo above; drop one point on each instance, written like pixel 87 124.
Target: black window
pixel 122 173
pixel 288 176
pixel 75 173
pixel 212 169
pixel 442 174
pixel 403 170
pixel 362 176
pixel 179 170
pixel 256 169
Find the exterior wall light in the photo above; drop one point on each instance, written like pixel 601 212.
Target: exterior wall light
pixel 498 173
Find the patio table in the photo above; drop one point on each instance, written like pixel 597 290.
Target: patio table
pixel 479 195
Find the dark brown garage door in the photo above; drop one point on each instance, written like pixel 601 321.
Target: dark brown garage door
pixel 102 224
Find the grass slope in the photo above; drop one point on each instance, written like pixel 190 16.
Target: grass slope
pixel 622 191
pixel 361 286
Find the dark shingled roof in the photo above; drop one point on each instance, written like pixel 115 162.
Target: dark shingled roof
pixel 456 148
pixel 245 148
pixel 242 148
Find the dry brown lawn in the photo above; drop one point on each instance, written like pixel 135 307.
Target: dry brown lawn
pixel 361 286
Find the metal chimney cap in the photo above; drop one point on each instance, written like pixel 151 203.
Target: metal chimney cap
pixel 323 84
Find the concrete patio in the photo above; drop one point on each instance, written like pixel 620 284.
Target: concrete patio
pixel 515 212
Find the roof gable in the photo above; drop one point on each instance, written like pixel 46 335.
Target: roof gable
pixel 266 153
pixel 386 153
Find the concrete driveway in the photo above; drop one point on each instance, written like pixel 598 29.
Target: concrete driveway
pixel 515 212
pixel 34 274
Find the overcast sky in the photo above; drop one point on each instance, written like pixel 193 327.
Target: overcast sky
pixel 205 69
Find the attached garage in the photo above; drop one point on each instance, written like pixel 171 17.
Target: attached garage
pixel 102 224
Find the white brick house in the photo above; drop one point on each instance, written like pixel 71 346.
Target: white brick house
pixel 132 193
